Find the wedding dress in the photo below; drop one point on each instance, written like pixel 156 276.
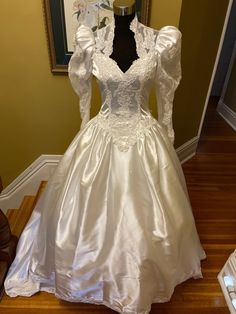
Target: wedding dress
pixel 114 225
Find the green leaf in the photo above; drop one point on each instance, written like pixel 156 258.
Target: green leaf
pixel 77 14
pixel 103 22
pixel 94 28
pixel 106 7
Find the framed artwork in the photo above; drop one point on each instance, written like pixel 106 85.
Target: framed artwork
pixel 63 17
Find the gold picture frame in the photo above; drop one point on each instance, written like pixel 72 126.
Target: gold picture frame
pixel 56 23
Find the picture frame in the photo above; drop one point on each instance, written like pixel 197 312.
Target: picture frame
pixel 60 26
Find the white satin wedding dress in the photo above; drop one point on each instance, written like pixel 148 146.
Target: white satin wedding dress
pixel 114 225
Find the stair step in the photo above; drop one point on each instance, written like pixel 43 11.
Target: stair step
pixel 18 218
pixel 22 215
pixel 40 191
pixel 11 216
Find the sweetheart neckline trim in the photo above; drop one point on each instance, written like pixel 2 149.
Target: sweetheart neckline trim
pixel 149 54
pixel 117 65
pixel 133 27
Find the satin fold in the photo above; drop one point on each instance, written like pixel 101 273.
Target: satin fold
pixel 99 235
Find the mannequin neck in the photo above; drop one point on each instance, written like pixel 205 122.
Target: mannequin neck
pixel 124 45
pixel 123 22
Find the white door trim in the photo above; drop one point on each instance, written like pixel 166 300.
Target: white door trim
pixel 227 114
pixel 230 68
pixel 216 64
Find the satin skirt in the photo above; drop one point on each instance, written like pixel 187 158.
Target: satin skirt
pixel 112 227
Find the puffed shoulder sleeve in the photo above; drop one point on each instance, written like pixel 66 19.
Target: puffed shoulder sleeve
pixel 80 69
pixel 168 75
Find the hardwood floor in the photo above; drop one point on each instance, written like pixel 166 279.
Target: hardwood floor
pixel 211 180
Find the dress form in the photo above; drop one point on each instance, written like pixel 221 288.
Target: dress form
pixel 124 45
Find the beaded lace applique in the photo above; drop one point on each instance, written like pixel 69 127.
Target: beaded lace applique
pixel 127 123
pixel 125 131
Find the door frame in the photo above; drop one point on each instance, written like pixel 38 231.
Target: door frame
pixel 215 65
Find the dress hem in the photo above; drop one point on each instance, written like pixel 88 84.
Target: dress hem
pixel 195 275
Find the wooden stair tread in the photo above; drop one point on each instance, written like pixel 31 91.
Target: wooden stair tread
pixel 11 216
pixel 19 217
pixel 40 191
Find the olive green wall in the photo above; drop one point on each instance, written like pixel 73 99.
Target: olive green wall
pixel 230 95
pixel 39 111
pixel 201 23
pixel 165 12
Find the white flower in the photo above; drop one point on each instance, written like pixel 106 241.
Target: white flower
pixel 80 5
pixel 93 13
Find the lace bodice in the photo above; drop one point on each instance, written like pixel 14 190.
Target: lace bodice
pixel 125 95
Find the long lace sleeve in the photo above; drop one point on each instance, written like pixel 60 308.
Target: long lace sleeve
pixel 168 75
pixel 80 70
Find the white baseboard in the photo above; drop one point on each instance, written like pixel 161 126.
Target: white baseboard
pixel 27 182
pixel 187 150
pixel 227 114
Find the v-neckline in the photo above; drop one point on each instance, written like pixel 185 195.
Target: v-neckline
pixel 111 36
pixel 105 47
pixel 119 69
